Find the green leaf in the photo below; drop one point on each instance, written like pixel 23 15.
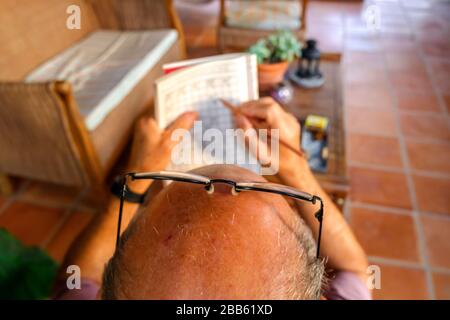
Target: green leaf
pixel 25 272
pixel 277 47
pixel 261 50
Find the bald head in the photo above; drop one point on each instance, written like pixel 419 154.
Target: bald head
pixel 189 244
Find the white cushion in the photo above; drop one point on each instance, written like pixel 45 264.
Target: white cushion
pixel 105 67
pixel 263 14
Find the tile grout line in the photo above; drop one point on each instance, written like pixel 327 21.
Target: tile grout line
pixel 431 174
pixel 347 204
pixel 362 165
pixel 441 270
pixel 413 139
pixel 388 135
pixel 406 264
pixel 444 110
pixel 412 192
pixel 422 265
pixel 344 72
pixel 391 169
pixel 66 215
pixel 421 112
pixel 381 208
pixel 14 197
pixel 396 262
pixel 45 203
pixel 436 91
pixel 435 215
pixel 415 209
pixel 53 204
pixel 396 210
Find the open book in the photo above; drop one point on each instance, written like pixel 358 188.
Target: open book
pixel 198 85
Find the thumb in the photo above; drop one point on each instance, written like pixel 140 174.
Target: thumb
pixel 242 122
pixel 184 121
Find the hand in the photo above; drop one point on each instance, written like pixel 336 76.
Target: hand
pixel 266 113
pixel 152 146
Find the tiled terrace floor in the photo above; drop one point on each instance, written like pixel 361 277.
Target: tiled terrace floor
pixel 397 104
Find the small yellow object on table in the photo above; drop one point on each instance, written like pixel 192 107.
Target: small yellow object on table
pixel 316 123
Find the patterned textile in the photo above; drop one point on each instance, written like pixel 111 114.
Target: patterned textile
pixel 104 68
pixel 263 14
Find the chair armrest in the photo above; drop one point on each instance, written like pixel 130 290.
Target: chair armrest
pixel 43 136
pixel 303 14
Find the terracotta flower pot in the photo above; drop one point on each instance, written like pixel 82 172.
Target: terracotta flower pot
pixel 270 74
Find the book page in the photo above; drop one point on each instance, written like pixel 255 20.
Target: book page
pixel 170 67
pixel 199 88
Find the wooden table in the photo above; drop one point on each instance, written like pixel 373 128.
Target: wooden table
pixel 327 101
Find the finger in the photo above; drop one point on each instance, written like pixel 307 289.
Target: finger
pixel 267 101
pixel 261 101
pixel 259 123
pixel 184 121
pixel 147 125
pixel 266 108
pixel 264 116
pixel 151 124
pixel 256 146
pixel 242 122
pixel 255 110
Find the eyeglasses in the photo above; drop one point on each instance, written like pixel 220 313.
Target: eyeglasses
pixel 208 184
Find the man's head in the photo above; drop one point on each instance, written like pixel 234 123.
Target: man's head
pixel 189 244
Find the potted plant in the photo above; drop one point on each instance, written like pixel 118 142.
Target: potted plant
pixel 274 54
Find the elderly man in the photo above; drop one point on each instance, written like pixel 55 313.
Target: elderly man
pixel 187 243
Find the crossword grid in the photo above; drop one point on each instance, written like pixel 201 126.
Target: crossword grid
pixel 225 81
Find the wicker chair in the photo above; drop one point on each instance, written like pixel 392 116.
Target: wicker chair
pixel 243 22
pixel 43 134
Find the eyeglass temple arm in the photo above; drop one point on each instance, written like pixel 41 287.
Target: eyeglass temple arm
pixel 122 199
pixel 319 217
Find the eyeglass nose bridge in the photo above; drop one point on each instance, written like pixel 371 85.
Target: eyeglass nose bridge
pixel 210 186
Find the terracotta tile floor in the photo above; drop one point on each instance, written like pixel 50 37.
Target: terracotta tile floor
pixel 397 100
pixel 385 234
pixel 401 283
pixel 432 193
pixel 376 150
pixel 374 121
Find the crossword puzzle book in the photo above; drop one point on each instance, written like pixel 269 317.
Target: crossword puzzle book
pixel 198 85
